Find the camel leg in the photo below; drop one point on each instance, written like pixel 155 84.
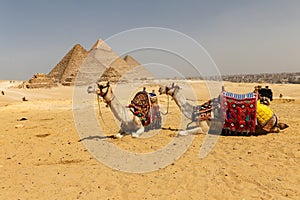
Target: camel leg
pixel 120 134
pixel 138 132
pixel 193 131
pixel 204 125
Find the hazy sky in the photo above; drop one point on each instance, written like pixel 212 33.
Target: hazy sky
pixel 242 36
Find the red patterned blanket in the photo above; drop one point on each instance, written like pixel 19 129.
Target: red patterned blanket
pixel 239 112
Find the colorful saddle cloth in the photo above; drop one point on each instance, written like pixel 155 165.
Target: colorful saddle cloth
pixel 266 118
pixel 144 106
pixel 239 111
pixel 207 111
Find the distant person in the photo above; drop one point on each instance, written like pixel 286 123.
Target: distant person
pixel 153 97
pixel 266 92
pixel 2 92
pixel 280 95
pixel 223 88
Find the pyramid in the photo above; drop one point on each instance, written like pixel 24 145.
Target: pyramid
pixel 123 69
pixel 100 44
pixel 138 71
pixel 66 70
pixel 111 75
pixel 100 59
pixel 39 80
pixel 131 61
pixel 106 56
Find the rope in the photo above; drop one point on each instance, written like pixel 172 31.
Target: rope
pixel 100 113
pixel 167 106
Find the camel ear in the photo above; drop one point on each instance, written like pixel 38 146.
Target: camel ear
pixel 173 84
pixel 107 83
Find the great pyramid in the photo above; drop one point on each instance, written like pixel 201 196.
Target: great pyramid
pixel 66 70
pixel 115 66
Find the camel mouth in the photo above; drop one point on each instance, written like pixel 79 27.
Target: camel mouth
pixel 282 126
pixel 160 91
pixel 91 90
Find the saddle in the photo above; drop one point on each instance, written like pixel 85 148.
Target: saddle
pixel 144 106
pixel 207 111
pixel 237 111
pixel 266 118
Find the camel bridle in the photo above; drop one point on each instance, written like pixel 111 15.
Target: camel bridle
pixel 101 87
pixel 103 95
pixel 173 87
pixel 167 89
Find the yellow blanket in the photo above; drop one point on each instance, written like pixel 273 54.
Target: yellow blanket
pixel 263 113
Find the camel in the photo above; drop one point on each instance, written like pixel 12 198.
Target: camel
pixel 187 109
pixel 130 124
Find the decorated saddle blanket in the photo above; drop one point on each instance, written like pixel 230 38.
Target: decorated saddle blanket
pixel 266 118
pixel 206 111
pixel 144 106
pixel 239 111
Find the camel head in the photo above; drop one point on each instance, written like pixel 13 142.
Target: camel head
pixel 105 91
pixel 168 90
pixel 282 126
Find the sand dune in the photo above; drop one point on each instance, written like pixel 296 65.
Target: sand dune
pixel 41 157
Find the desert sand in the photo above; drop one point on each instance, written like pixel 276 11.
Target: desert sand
pixel 42 158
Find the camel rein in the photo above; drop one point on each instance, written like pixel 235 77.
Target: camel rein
pixel 98 100
pixel 168 105
pixel 100 113
pixel 167 112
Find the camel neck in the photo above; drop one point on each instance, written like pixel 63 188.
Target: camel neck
pixel 108 101
pixel 185 107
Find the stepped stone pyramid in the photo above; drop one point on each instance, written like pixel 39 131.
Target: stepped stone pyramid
pixel 66 70
pixel 39 80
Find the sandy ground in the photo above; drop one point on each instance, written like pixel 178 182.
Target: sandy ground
pixel 42 158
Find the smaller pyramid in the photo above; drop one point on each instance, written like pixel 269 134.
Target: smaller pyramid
pixel 111 75
pixel 40 80
pixel 131 61
pixel 66 70
pixel 138 71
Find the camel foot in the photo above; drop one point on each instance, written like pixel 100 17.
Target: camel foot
pixel 118 135
pixel 135 135
pixel 182 133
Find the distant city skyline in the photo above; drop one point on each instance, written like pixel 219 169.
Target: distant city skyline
pixel 242 37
